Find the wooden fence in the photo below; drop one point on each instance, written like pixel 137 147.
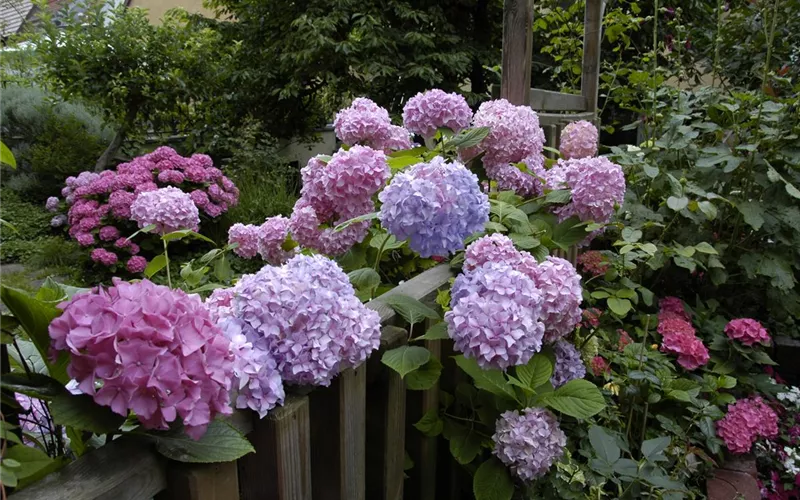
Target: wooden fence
pixel 343 442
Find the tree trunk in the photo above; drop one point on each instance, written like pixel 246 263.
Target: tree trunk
pixel 481 33
pixel 116 142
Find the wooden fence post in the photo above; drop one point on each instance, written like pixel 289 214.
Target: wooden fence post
pixel 202 482
pixel 280 469
pixel 515 85
pixel 590 73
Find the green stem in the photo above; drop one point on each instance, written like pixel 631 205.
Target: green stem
pixel 655 63
pixel 166 259
pixel 770 40
pixel 380 252
pixel 717 41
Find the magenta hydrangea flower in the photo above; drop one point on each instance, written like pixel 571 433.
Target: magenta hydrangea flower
pixel 569 365
pixel 108 233
pixel 271 237
pixel 529 443
pixel 747 331
pixel 515 132
pixel 510 178
pixel 200 198
pixel 169 208
pixel 52 204
pixel 672 307
pixel 247 238
pixel 103 256
pixel 363 122
pixel 493 248
pixel 494 316
pixel 257 381
pixel 691 351
pixel 304 225
pixel 578 140
pixel 427 112
pixel 136 264
pixel 149 349
pixel 597 186
pixel 434 205
pixel 560 285
pixel 84 239
pixel 746 421
pixel 306 316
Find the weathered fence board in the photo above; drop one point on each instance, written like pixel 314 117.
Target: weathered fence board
pixel 548 100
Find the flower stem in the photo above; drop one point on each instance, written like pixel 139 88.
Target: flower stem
pixel 166 259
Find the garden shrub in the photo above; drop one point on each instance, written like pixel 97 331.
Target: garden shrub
pixel 31 226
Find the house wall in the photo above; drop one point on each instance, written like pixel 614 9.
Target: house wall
pixel 157 8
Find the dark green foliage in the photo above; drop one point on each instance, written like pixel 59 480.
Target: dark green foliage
pixel 32 224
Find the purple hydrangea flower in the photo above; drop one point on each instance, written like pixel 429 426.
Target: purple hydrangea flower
pixel 306 316
pixel 304 225
pixel 364 122
pixel 529 443
pixel 169 208
pixel 597 185
pixel 578 140
pixel 494 248
pixel 58 221
pixel 52 204
pixel 271 236
pixel 510 178
pixel 352 177
pixel 136 264
pixel 560 285
pixel 108 233
pixel 436 205
pixel 494 316
pixel 569 365
pixel 247 238
pixel 515 132
pixel 426 112
pixel 104 257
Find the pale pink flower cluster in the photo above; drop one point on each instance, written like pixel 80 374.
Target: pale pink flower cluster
pixel 429 111
pixel 368 124
pixel 514 134
pixel 597 186
pixel 578 140
pixel 746 421
pixel 169 209
pixel 510 177
pixel 267 240
pixel 148 349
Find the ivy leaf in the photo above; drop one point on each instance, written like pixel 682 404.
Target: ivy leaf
pixel 489 380
pixel 81 412
pixel 430 424
pixel 753 213
pixel 537 372
pixel 221 443
pixel 412 310
pixel 492 481
pixel 425 376
pixel 577 398
pixel 405 359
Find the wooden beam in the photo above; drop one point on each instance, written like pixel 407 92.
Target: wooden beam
pixel 422 286
pixel 592 35
pixel 547 100
pixel 517 51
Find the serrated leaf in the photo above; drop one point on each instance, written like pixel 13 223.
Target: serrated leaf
pixel 354 220
pixel 569 232
pixel 495 226
pixel 81 412
pixel 537 372
pixel 186 233
pixel 405 359
pixel 465 443
pixel 489 380
pixel 524 241
pixel 653 449
pixel 425 376
pixel 221 443
pixel 558 196
pixel 411 309
pixel 577 398
pixel 761 358
pixel 365 278
pixel 400 162
pixel 430 424
pixel 385 241
pixel 436 332
pixel 492 481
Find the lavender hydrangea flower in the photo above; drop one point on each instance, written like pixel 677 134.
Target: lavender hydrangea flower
pixel 494 316
pixel 515 131
pixel 304 225
pixel 271 236
pixel 578 140
pixel 52 204
pixel 353 176
pixel 511 178
pixel 306 316
pixel 363 122
pixel 435 205
pixel 246 235
pixel 597 185
pixel 169 208
pixel 426 112
pixel 569 365
pixel 58 221
pixel 529 443
pixel 560 285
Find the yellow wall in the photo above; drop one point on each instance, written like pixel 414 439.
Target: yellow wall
pixel 157 8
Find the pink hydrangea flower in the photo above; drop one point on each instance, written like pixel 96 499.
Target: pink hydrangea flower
pixel 600 366
pixel 747 331
pixel 351 177
pixel 593 262
pixel 672 307
pixel 509 177
pixel 169 208
pixel 199 197
pixel 671 325
pixel 149 349
pixel 494 248
pixel 597 186
pixel 560 285
pixel 578 140
pixel 691 351
pixel 304 226
pixel 746 421
pixel 429 111
pixel 103 256
pixel 247 238
pixel 171 177
pixel 84 239
pixel 515 132
pixel 136 264
pixel 271 237
pixel 52 204
pixel 364 122
pixel 396 139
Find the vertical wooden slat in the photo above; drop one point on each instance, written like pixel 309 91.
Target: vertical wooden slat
pixel 352 432
pixel 281 467
pixel 517 51
pixel 559 129
pixel 592 31
pixel 202 482
pixel 550 137
pixel 394 428
pixel 427 462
